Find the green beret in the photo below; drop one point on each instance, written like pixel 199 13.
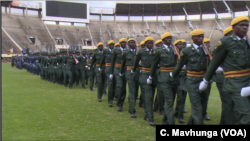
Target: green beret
pixel 84 51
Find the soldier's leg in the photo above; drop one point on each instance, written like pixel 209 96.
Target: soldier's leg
pixel 205 102
pixel 142 102
pixel 99 84
pixel 91 80
pixel 70 78
pixel 65 80
pixel 227 112
pixel 116 89
pixel 111 90
pixel 77 76
pixel 148 114
pixel 196 117
pixel 83 76
pixel 132 95
pixel 104 84
pixel 179 103
pixel 122 94
pixel 86 77
pixel 242 105
pixel 169 92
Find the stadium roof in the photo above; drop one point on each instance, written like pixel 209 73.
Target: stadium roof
pixel 167 9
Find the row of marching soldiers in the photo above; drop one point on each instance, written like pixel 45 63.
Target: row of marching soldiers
pixel 159 67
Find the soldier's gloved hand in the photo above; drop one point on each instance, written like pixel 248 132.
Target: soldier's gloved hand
pixel 99 69
pixel 131 71
pixel 149 80
pixel 121 74
pixel 184 67
pixel 245 91
pixel 170 74
pixel 88 68
pixel 77 62
pixel 203 85
pixel 219 69
pixel 111 76
pixel 57 64
pixel 140 71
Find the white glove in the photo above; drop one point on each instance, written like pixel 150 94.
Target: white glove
pixel 149 80
pixel 140 63
pixel 111 76
pixel 99 69
pixel 121 74
pixel 184 67
pixel 57 64
pixel 64 64
pixel 245 91
pixel 158 65
pixel 219 69
pixel 170 74
pixel 140 71
pixel 88 68
pixel 131 71
pixel 203 85
pixel 77 62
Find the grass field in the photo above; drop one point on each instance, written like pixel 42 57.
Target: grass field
pixel 34 109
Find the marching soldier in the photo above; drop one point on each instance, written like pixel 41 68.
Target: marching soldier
pixel 128 57
pixel 146 57
pixel 206 41
pixel 181 94
pixel 99 72
pixel 117 45
pixel 159 100
pixel 185 95
pixel 233 53
pixel 106 59
pixel 90 72
pixel 196 64
pixel 70 68
pixel 227 112
pixel 167 60
pixel 115 70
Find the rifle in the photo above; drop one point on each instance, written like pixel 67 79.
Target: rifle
pixel 128 34
pixel 133 31
pixel 119 30
pixel 116 37
pixel 178 31
pixel 109 35
pixel 219 17
pixel 141 34
pixel 229 10
pixel 176 52
pixel 159 32
pixel 219 26
pixel 248 10
pixel 147 29
pixel 192 28
pixel 163 25
pixel 101 35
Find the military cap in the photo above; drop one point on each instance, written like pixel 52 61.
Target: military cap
pixel 206 40
pixel 111 42
pixel 117 44
pixel 100 43
pixel 196 32
pixel 176 42
pixel 158 41
pixel 122 40
pixel 239 19
pixel 84 51
pixel 142 43
pixel 131 39
pixel 165 35
pixel 183 41
pixel 227 30
pixel 149 38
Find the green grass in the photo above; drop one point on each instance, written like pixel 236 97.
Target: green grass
pixel 34 109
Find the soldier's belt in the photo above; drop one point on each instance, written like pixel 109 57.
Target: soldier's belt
pixel 182 70
pixel 195 73
pixel 131 67
pixel 237 73
pixel 146 69
pixel 118 65
pixel 108 64
pixel 167 69
pixel 99 65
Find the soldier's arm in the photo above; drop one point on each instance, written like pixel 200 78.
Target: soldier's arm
pixel 113 60
pixel 218 57
pixel 123 62
pixel 181 62
pixel 136 62
pixel 156 60
pixel 103 58
pixel 93 61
